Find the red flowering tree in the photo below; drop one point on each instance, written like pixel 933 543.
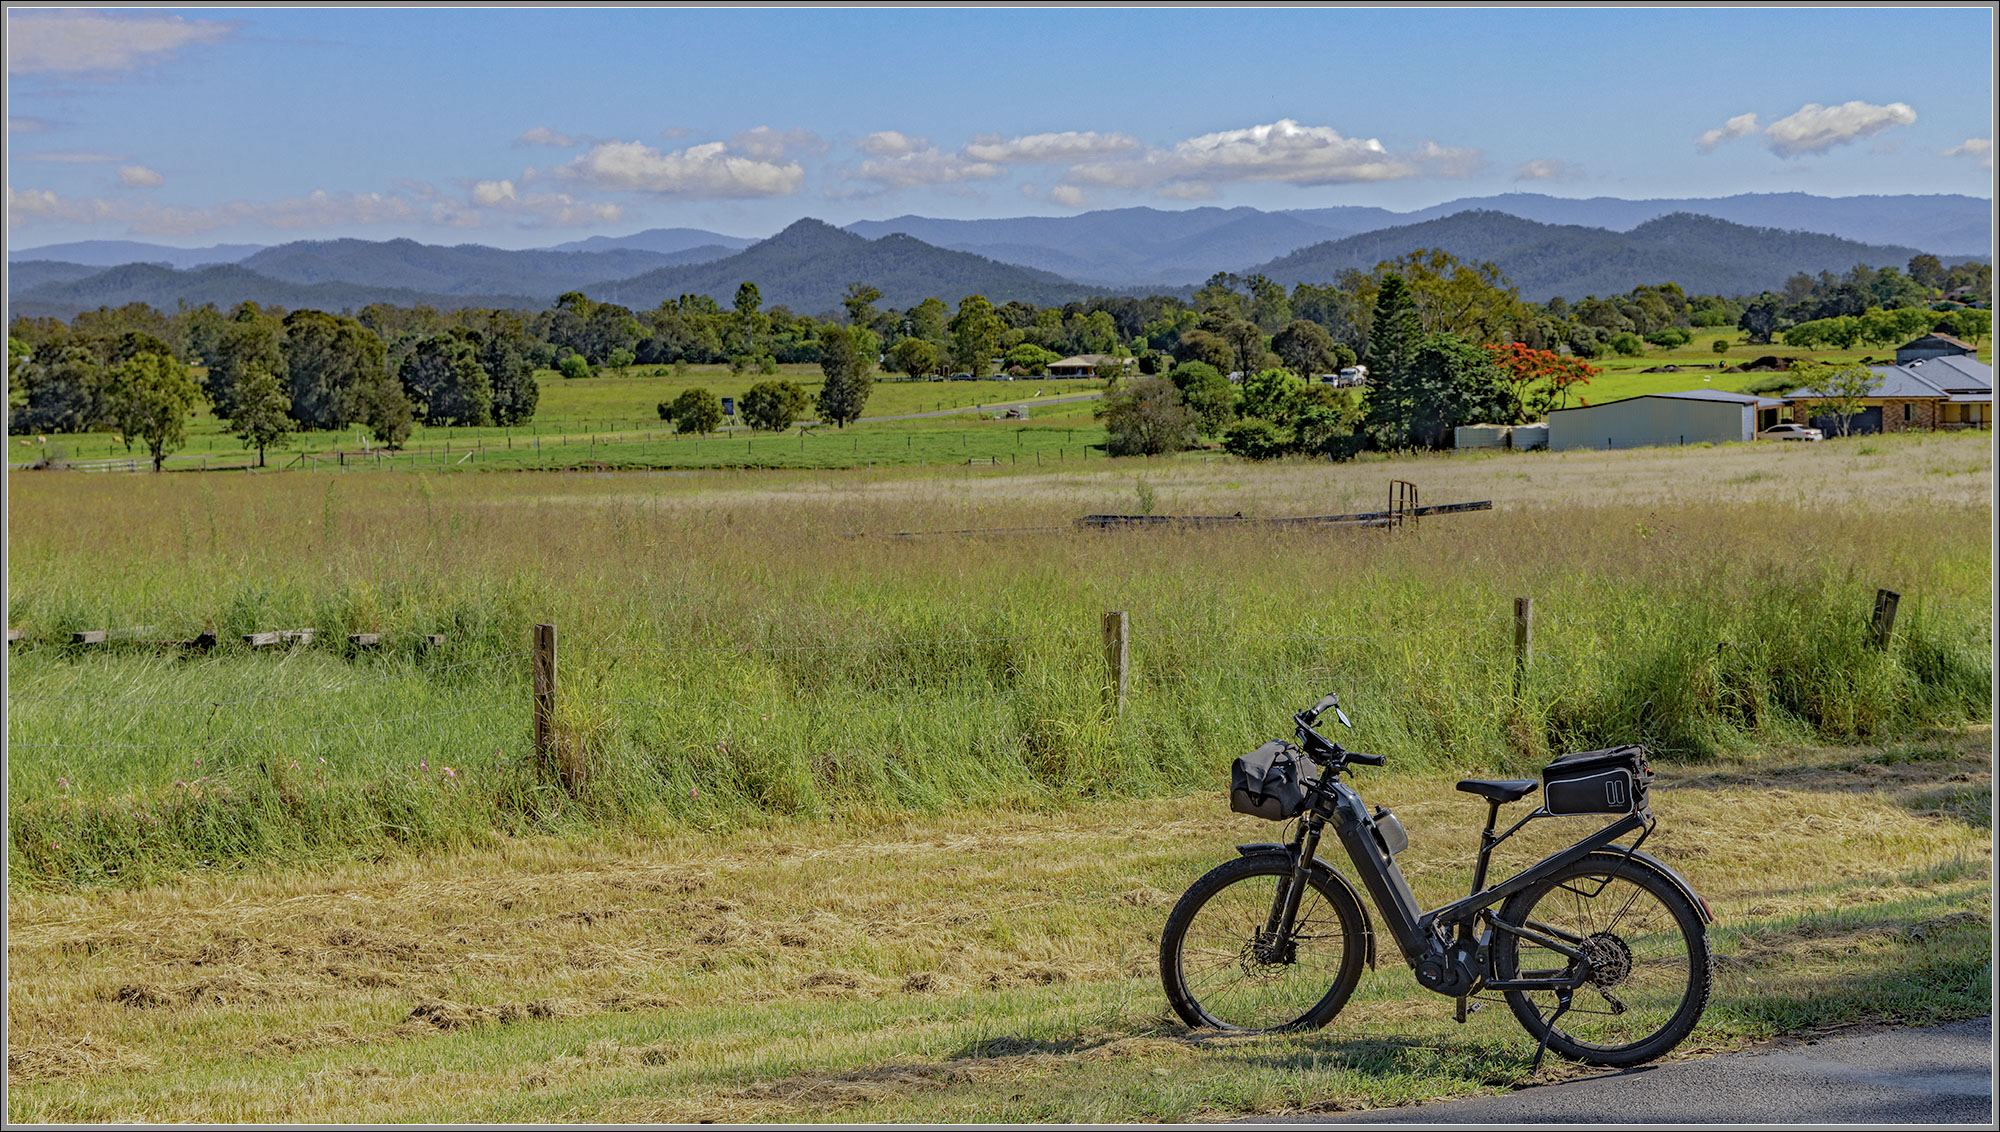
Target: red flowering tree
pixel 1542 379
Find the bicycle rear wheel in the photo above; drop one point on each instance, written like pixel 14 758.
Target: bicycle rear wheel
pixel 1648 952
pixel 1222 969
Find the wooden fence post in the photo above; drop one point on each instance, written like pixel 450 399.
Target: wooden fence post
pixel 545 689
pixel 1883 624
pixel 1117 656
pixel 1524 641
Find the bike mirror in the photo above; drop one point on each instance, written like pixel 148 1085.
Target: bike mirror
pixel 1342 716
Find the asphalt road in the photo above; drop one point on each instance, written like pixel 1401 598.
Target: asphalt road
pixel 1929 1075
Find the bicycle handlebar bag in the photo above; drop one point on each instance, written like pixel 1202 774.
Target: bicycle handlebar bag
pixel 1610 781
pixel 1271 782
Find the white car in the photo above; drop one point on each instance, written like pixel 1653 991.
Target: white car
pixel 1791 431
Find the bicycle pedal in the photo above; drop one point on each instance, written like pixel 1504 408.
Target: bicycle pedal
pixel 1467 1006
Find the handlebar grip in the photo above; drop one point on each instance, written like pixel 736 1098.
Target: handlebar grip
pixel 1366 760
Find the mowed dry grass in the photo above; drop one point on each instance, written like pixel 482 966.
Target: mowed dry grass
pixel 964 966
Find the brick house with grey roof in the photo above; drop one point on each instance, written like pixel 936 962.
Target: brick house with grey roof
pixel 1938 382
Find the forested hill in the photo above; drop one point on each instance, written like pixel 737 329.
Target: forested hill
pixel 1125 247
pixel 165 289
pixel 808 266
pixel 1704 255
pixel 466 269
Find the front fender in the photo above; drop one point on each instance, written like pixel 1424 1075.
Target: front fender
pixel 1367 925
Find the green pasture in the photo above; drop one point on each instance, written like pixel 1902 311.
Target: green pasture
pixel 1702 368
pixel 613 419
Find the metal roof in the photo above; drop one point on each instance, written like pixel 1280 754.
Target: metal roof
pixel 1954 372
pixel 1930 378
pixel 1689 395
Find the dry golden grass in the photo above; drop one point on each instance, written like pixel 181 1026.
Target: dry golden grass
pixel 963 966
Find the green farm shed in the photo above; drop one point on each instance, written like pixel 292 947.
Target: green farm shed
pixel 1698 416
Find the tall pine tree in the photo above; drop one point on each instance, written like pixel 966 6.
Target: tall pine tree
pixel 1393 339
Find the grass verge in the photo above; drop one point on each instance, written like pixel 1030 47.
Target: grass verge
pixel 962 966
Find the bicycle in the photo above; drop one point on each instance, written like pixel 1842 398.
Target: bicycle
pixel 1600 950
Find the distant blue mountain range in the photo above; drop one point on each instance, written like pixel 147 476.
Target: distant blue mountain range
pixel 1546 245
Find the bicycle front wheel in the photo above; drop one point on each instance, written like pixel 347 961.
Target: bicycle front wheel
pixel 1647 953
pixel 1223 968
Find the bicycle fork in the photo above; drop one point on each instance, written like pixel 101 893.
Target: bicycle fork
pixel 1275 944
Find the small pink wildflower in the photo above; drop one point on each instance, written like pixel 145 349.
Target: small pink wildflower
pixel 450 773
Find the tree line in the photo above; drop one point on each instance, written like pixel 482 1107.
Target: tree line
pixel 1445 341
pixel 1448 343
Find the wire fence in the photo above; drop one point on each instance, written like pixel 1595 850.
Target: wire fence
pixel 1071 675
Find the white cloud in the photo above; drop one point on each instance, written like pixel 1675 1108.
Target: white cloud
pixel 319 209
pixel 542 135
pixel 1069 195
pixel 139 177
pixel 1185 190
pixel 889 143
pixel 1282 151
pixel 767 144
pixel 1547 169
pixel 538 210
pixel 486 204
pixel 1045 149
pixel 69 157
pixel 1979 148
pixel 71 41
pixel 38 203
pixel 23 125
pixel 1455 161
pixel 924 168
pixel 708 170
pixel 1743 125
pixel 1028 190
pixel 1816 129
pixel 492 192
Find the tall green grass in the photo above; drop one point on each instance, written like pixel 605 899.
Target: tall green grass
pixel 731 650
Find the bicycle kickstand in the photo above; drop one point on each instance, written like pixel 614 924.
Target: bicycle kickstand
pixel 1562 1008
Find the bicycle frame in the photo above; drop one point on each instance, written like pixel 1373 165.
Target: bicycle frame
pixel 1442 946
pixel 1597 927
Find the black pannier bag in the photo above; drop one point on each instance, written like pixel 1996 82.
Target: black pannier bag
pixel 1610 781
pixel 1271 782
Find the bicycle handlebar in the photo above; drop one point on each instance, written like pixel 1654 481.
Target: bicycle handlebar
pixel 1320 746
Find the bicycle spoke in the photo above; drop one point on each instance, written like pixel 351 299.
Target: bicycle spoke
pixel 1239 976
pixel 1637 960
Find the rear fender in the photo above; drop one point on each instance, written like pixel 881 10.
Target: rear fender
pixel 1680 882
pixel 1367 924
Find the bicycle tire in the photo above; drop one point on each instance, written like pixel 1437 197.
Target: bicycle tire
pixel 1209 959
pixel 1653 944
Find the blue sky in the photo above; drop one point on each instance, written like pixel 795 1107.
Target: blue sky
pixel 528 127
